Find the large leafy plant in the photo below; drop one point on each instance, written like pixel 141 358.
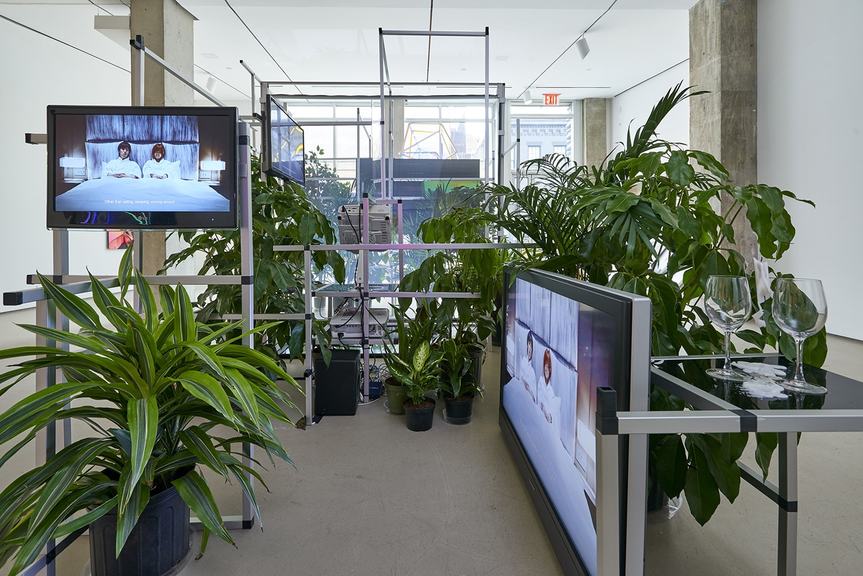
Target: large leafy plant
pixel 163 394
pixel 648 222
pixel 413 363
pixel 282 214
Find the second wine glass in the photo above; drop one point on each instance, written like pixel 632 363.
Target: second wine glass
pixel 800 310
pixel 728 305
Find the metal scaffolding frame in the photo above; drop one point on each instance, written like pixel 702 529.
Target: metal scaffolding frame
pixel 48 316
pixel 364 247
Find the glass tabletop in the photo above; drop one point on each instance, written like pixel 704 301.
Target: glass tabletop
pixel 842 393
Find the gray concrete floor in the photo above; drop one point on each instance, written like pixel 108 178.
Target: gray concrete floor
pixel 369 497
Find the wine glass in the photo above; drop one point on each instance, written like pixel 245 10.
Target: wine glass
pixel 800 310
pixel 728 305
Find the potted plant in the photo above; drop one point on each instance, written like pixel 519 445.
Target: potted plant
pixel 158 390
pixel 420 379
pixel 409 333
pixel 460 360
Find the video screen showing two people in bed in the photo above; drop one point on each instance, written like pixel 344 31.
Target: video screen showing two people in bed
pixel 141 167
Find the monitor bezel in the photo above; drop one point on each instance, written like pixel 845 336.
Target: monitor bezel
pixel 268 151
pixel 57 220
pixel 629 310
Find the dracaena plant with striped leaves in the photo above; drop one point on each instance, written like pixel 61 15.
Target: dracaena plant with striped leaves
pixel 158 389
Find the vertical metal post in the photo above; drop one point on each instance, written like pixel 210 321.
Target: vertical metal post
pixel 46 439
pixel 502 127
pixel 485 132
pixel 391 147
pixel 265 138
pixel 787 562
pixel 636 504
pixel 61 267
pixel 364 292
pixel 518 152
pixel 383 170
pixel 607 505
pixel 309 371
pixel 247 278
pixel 401 232
pixel 138 100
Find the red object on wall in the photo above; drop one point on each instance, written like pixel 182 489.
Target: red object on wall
pixel 551 99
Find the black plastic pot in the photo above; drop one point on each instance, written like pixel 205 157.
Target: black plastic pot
pixel 458 410
pixel 420 416
pixel 157 545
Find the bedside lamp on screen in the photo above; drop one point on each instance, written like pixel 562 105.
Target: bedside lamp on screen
pixel 74 169
pixel 211 171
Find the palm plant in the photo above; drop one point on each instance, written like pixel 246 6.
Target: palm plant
pixel 647 223
pixel 156 390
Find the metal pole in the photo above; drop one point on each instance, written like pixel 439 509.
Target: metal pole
pixel 138 100
pixel 61 267
pixel 429 33
pixel 787 562
pixel 309 371
pixel 383 170
pixel 401 233
pixel 364 292
pixel 485 132
pixel 247 281
pixel 607 505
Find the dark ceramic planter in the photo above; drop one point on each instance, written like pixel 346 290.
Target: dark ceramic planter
pixel 458 410
pixel 156 546
pixel 420 416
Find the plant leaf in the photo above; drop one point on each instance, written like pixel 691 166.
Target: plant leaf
pixel 143 418
pixel 195 492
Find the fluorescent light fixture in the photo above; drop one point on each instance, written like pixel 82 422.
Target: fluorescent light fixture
pixel 582 47
pixel 527 97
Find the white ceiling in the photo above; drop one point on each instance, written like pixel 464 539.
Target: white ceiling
pixel 337 40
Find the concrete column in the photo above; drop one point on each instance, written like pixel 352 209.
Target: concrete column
pixel 595 126
pixel 167 30
pixel 723 60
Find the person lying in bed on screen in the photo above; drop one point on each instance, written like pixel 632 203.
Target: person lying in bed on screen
pixel 157 166
pixel 123 167
pixel 526 372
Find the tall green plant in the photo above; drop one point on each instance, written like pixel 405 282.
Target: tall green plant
pixel 648 223
pixel 158 391
pixel 282 214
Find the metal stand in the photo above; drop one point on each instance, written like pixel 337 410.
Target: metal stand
pixel 48 316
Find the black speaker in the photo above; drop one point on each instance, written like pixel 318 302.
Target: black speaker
pixel 337 385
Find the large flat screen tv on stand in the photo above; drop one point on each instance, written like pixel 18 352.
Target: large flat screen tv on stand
pixel 284 144
pixel 564 339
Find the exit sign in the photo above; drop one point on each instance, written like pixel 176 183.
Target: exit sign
pixel 551 99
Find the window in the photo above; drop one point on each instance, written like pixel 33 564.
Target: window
pixel 534 151
pixel 560 149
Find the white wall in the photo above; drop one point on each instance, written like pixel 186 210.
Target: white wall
pixel 810 141
pixel 630 109
pixel 37 72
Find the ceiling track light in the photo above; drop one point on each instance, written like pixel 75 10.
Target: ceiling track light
pixel 211 84
pixel 527 97
pixel 582 47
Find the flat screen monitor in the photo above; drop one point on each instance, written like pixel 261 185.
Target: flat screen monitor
pixel 563 339
pixel 285 145
pixel 142 167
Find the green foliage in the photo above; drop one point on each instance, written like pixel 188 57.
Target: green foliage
pixel 282 215
pixel 415 365
pixel 647 223
pixel 157 392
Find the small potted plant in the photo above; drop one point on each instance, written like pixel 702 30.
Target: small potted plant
pixel 460 357
pixel 421 379
pixel 157 389
pixel 409 334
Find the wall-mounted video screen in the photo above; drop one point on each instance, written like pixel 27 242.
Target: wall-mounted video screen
pixel 563 340
pixel 285 145
pixel 142 167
